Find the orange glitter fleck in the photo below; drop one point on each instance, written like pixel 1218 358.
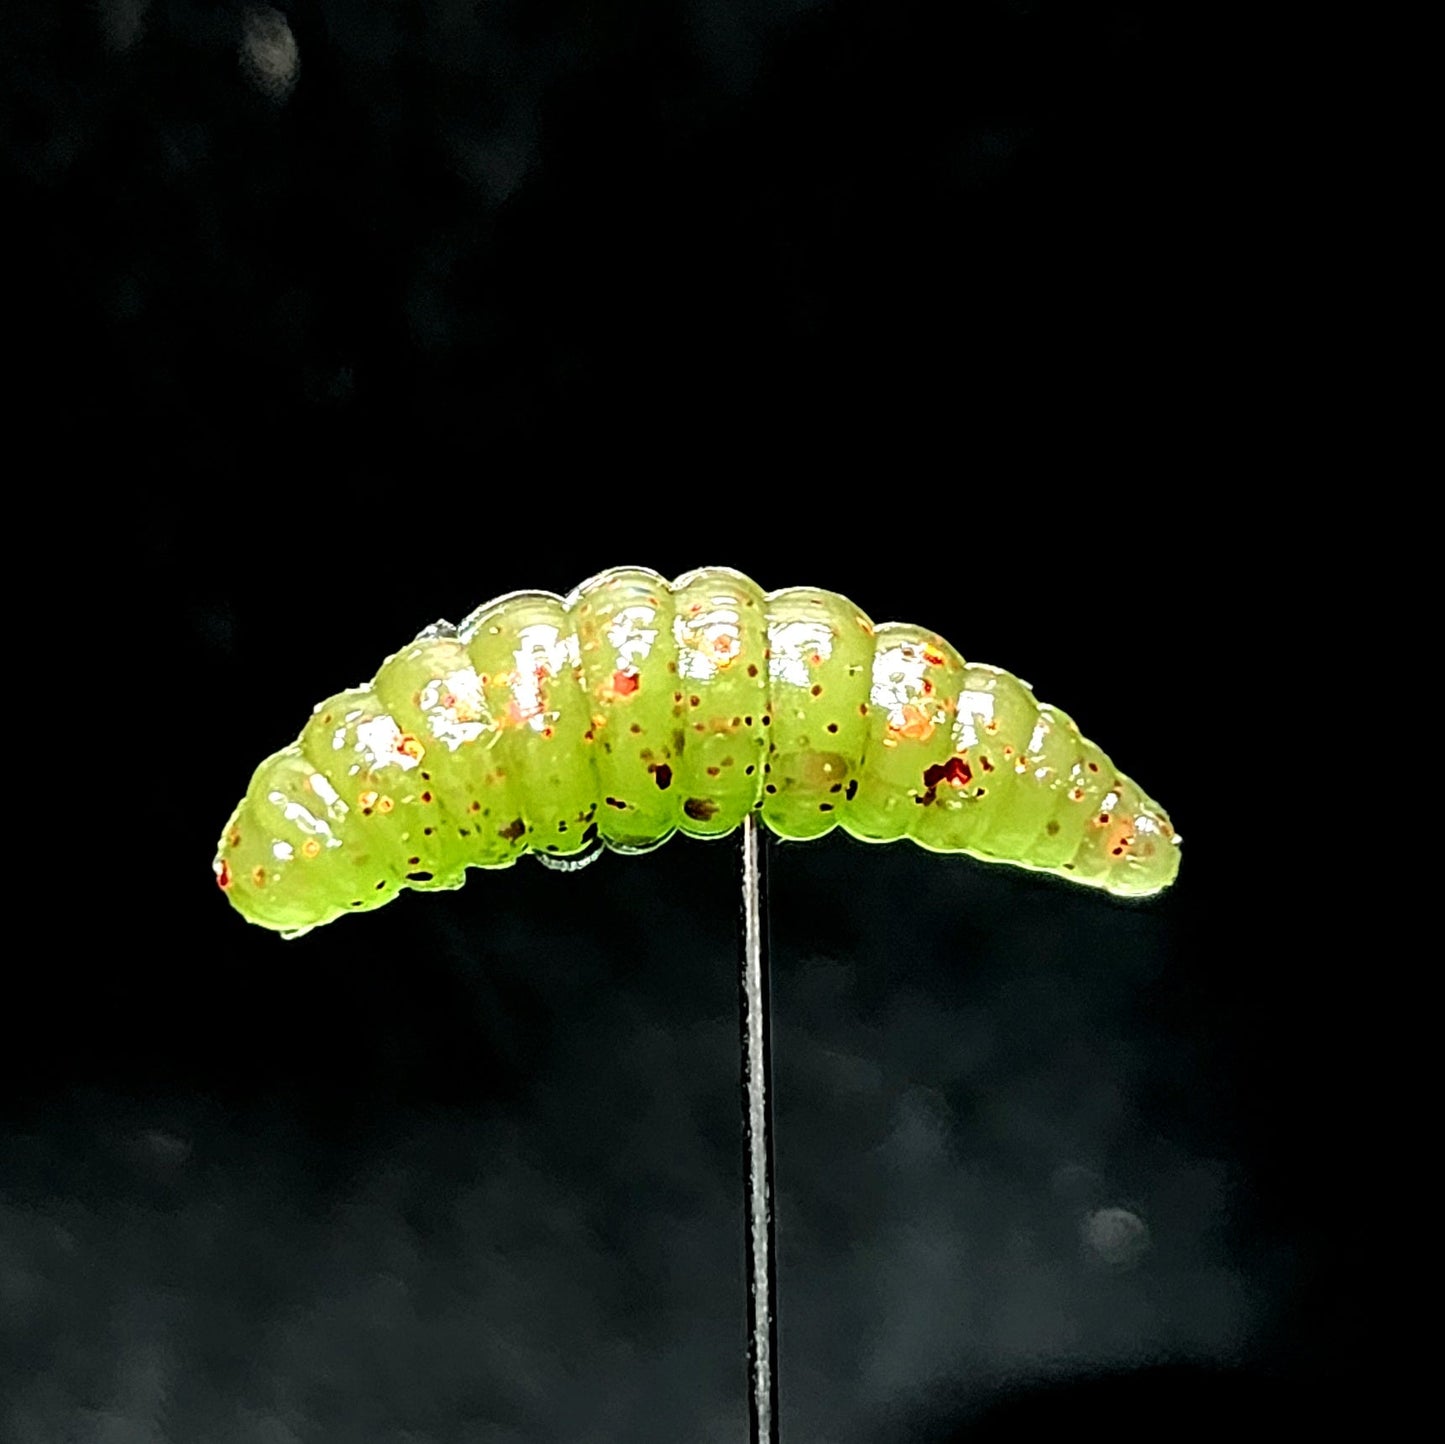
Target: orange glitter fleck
pixel 913 723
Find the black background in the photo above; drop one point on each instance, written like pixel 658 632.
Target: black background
pixel 935 305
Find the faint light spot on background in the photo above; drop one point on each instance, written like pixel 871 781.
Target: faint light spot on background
pixel 164 1148
pixel 1115 1237
pixel 122 22
pixel 270 59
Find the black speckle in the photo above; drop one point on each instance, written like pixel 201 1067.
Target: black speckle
pixel 852 791
pixel 700 809
pixel 825 807
pixel 513 830
pixel 613 802
pixel 1052 828
pixel 419 877
pixel 663 776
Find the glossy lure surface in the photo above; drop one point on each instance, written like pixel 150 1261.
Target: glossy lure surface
pixel 634 708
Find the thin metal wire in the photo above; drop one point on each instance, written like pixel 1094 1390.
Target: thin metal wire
pixel 758 1138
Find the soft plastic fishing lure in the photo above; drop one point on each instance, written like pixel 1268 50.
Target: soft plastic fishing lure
pixel 633 709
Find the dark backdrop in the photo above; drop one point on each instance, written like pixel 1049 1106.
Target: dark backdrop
pixel 334 318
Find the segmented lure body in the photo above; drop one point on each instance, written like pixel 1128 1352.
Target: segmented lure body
pixel 633 709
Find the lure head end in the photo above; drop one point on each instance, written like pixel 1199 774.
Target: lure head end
pixel 1142 852
pixel 1129 846
pixel 280 861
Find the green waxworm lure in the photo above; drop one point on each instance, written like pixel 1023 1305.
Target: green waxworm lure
pixel 632 709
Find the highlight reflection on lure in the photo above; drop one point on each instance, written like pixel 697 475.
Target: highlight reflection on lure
pixel 633 709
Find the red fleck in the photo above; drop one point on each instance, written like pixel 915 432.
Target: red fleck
pixel 223 874
pixel 662 775
pixel 624 684
pixel 954 771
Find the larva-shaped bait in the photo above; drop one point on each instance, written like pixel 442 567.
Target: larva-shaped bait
pixel 633 709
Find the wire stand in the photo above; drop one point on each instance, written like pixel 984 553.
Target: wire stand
pixel 758 1138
